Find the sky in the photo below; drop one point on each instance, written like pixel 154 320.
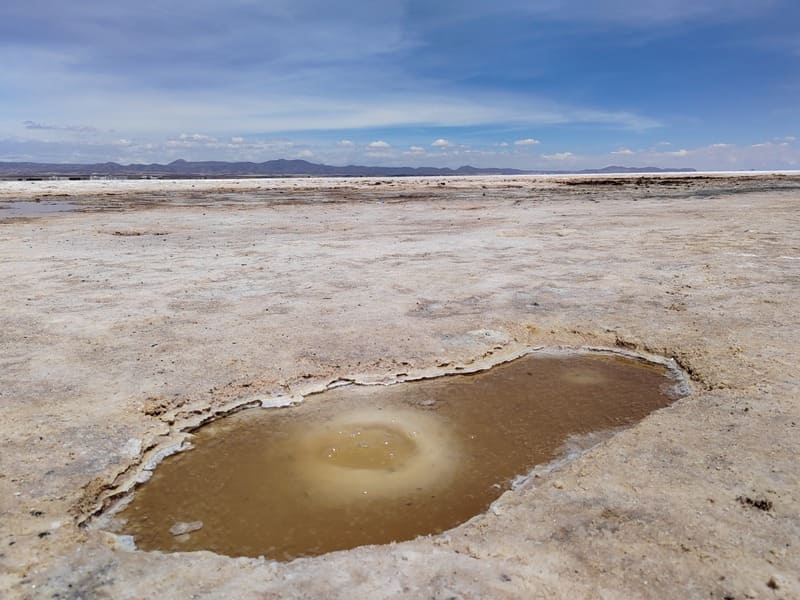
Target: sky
pixel 548 84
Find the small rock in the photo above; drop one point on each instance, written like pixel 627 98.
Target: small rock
pixel 772 584
pixel 558 484
pixel 182 528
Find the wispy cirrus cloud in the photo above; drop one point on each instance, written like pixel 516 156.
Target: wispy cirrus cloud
pixel 641 14
pixel 71 128
pixel 559 156
pixel 252 66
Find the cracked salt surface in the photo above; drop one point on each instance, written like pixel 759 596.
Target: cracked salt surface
pixel 359 465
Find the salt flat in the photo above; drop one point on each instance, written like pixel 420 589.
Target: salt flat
pixel 158 304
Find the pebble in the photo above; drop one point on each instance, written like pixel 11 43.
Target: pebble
pixel 181 528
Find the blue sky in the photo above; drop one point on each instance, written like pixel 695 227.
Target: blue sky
pixel 554 84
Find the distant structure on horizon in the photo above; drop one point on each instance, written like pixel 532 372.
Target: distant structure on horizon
pixel 270 168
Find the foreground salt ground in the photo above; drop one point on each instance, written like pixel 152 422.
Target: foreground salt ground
pixel 151 310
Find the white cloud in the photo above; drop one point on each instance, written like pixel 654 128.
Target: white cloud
pixel 379 144
pixel 559 156
pixel 770 155
pixel 760 156
pixel 526 142
pixel 345 144
pixel 237 140
pixel 503 144
pixel 288 107
pixel 623 151
pixel 441 143
pixel 196 137
pixel 774 155
pixel 305 154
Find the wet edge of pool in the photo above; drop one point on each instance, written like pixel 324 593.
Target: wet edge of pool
pixel 120 492
pixel 32 209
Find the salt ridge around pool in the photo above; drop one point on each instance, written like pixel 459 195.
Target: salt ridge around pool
pixel 360 465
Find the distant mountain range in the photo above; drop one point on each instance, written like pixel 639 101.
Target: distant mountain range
pixel 270 168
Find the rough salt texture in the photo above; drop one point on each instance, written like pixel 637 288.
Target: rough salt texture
pixel 156 308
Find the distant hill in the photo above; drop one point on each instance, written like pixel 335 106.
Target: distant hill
pixel 270 168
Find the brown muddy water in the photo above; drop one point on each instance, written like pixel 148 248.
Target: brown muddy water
pixel 363 465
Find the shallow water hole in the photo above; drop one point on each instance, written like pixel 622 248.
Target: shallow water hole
pixel 36 208
pixel 362 465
